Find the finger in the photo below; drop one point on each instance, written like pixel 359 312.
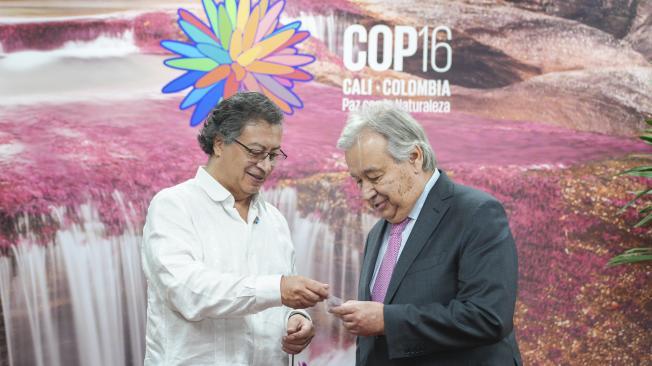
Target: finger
pixel 348 318
pixel 294 323
pixel 302 300
pixel 295 333
pixel 289 339
pixel 309 303
pixel 337 310
pixel 297 341
pixel 299 334
pixel 342 309
pixel 288 351
pixel 310 296
pixel 302 343
pixel 349 326
pixel 292 349
pixel 292 327
pixel 298 337
pixel 299 347
pixel 292 337
pixel 318 288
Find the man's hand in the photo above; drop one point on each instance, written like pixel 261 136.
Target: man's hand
pixel 362 318
pixel 299 334
pixel 299 292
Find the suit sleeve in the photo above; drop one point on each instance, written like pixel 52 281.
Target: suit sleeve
pixel 172 265
pixel 482 311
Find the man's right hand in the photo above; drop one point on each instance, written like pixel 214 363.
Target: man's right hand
pixel 299 292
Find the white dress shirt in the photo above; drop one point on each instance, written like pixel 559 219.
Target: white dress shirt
pixel 413 215
pixel 213 280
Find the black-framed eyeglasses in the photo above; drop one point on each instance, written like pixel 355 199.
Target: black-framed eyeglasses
pixel 260 155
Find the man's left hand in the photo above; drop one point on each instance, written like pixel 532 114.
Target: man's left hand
pixel 299 334
pixel 362 318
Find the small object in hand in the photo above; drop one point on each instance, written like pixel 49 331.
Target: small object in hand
pixel 333 301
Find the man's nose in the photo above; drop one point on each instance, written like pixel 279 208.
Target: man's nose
pixel 266 164
pixel 368 191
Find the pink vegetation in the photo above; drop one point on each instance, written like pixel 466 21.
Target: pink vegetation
pixel 148 30
pixel 84 151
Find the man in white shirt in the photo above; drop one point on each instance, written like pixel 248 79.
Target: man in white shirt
pixel 219 260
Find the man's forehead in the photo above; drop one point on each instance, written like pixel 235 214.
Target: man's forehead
pixel 262 134
pixel 370 139
pixel 362 161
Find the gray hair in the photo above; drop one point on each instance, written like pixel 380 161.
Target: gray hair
pixel 403 133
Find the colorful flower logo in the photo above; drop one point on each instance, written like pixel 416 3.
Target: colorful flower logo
pixel 245 48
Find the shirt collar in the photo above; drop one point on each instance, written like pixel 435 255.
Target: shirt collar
pixel 218 193
pixel 422 198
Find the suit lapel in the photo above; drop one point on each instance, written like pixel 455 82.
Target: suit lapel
pixel 369 264
pixel 432 212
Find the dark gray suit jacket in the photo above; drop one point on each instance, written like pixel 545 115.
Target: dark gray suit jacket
pixel 451 297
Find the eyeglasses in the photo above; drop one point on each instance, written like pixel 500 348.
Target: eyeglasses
pixel 260 155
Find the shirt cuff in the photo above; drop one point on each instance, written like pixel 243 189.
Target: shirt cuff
pixel 268 292
pixel 297 311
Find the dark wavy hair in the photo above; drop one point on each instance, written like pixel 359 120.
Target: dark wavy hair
pixel 232 114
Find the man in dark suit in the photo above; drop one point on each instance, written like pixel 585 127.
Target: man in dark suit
pixel 438 281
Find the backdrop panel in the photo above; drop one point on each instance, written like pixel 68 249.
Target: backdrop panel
pixel 538 103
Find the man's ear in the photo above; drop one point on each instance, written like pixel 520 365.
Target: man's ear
pixel 416 158
pixel 218 146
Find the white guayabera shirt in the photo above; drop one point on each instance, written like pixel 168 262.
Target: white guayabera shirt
pixel 213 280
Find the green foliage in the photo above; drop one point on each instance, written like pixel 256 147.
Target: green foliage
pixel 632 256
pixel 637 255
